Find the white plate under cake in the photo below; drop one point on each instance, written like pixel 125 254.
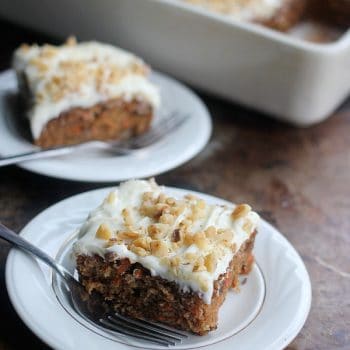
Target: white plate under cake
pixel 267 314
pixel 183 143
pixel 159 258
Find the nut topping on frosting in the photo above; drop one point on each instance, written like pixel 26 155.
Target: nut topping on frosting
pixel 241 211
pixel 103 232
pixel 159 248
pixel 185 239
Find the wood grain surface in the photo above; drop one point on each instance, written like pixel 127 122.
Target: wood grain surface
pixel 297 179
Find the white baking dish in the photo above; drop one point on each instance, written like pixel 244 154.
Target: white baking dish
pixel 293 80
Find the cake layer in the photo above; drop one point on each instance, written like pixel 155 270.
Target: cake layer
pixel 185 241
pixel 111 120
pixel 130 289
pixel 59 78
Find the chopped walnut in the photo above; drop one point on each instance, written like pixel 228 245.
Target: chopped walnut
pixel 103 232
pixel 71 41
pixel 240 211
pixel 48 51
pixel 185 224
pixel 24 47
pixel 175 261
pixel 147 196
pixel 177 209
pixel 111 198
pixel 143 242
pixel 203 285
pixel 159 248
pixel 226 236
pixel 248 226
pixel 151 209
pixel 161 198
pixel 190 197
pixel 157 231
pixel 127 218
pixel 200 240
pixel 190 257
pixel 138 250
pixel 170 201
pixel 210 232
pixel 210 263
pixel 167 219
pixel 188 239
pixel 127 235
pixel 113 241
pixel 176 235
pixel 198 210
pixel 199 265
pixel 41 66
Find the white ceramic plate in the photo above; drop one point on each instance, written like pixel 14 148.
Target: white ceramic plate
pixel 174 149
pixel 267 314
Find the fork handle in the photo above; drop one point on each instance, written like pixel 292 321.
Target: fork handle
pixel 40 154
pixel 21 243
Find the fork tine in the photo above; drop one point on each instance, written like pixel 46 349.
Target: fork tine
pixel 130 327
pixel 158 134
pixel 164 121
pixel 155 327
pixel 170 125
pixel 133 333
pixel 159 130
pixel 158 126
pixel 148 328
pixel 149 333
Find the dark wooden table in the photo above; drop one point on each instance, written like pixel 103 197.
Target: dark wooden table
pixel 298 179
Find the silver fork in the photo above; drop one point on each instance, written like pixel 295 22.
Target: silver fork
pixel 91 308
pixel 137 143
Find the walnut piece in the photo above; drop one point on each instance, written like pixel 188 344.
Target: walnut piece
pixel 210 263
pixel 103 232
pixel 159 248
pixel 128 235
pixel 176 235
pixel 138 250
pixel 240 211
pixel 111 198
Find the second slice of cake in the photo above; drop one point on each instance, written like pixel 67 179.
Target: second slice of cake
pixel 169 260
pixel 84 91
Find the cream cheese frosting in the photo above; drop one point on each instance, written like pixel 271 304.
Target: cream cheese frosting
pixel 183 240
pixel 242 10
pixel 79 75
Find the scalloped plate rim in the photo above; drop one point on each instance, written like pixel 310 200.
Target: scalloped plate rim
pixel 194 135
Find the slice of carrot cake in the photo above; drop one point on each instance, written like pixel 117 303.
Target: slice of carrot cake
pixel 169 260
pixel 84 91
